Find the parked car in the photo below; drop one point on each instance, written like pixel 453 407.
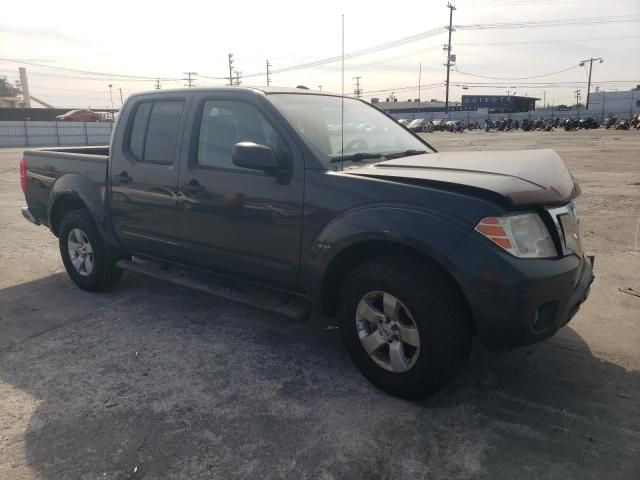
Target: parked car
pixel 439 124
pixel 243 193
pixel 403 121
pixel 80 116
pixel 419 125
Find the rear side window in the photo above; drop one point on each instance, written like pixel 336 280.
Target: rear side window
pixel 154 132
pixel 138 130
pixel 162 132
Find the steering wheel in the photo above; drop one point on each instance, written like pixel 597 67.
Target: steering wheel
pixel 358 144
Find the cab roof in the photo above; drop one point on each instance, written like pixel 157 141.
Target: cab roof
pixel 251 90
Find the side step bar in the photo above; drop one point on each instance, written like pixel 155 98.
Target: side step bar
pixel 290 306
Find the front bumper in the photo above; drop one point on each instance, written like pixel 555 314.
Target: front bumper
pixel 514 301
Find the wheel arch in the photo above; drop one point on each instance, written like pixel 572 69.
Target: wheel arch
pixel 62 205
pixel 74 191
pixel 358 253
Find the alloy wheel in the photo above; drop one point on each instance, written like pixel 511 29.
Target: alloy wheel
pixel 80 252
pixel 387 331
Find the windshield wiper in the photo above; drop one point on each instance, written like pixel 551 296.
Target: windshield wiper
pixel 356 157
pixel 406 153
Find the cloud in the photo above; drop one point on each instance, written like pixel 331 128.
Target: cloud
pixel 39 32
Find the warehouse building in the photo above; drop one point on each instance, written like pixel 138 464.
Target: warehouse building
pixel 413 107
pixel 500 103
pixel 620 103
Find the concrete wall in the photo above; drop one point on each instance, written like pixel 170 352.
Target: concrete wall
pixel 40 134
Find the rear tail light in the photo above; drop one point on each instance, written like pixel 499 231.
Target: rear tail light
pixel 23 176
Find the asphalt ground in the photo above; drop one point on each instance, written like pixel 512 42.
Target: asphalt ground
pixel 155 381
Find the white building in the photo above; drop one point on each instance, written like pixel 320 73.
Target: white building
pixel 622 103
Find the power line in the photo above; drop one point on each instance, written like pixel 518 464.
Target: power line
pixel 550 23
pixel 357 53
pixel 76 70
pixel 439 30
pixel 517 78
pixel 408 88
pixel 547 41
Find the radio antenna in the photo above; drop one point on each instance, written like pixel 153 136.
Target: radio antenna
pixel 342 104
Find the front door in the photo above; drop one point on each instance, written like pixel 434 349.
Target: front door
pixel 237 221
pixel 144 178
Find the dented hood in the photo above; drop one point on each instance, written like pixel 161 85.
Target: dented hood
pixel 518 177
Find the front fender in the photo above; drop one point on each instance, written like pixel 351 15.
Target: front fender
pixel 423 230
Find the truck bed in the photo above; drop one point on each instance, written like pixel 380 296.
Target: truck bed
pixel 46 165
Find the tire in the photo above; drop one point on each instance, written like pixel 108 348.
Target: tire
pixel 98 272
pixel 434 306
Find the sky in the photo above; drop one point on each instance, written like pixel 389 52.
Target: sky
pixel 165 39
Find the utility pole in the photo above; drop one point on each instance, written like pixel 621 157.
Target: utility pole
pixel 268 74
pixel 419 84
pixel 582 64
pixel 231 69
pixel 577 92
pixel 238 75
pixel 358 90
pixel 121 101
pixel 157 83
pixel 544 102
pixel 447 48
pixel 190 80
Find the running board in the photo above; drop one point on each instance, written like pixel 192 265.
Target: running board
pixel 281 303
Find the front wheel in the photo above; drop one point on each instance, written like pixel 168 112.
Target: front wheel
pixel 84 254
pixel 406 327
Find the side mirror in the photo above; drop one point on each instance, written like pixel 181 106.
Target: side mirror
pixel 254 156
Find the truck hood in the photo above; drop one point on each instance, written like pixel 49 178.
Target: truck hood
pixel 517 178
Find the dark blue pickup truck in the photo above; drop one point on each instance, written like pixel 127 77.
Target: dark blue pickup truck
pixel 290 200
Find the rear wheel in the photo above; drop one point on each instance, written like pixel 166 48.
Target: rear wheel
pixel 84 254
pixel 406 327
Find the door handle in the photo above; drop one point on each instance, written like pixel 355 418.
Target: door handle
pixel 124 178
pixel 193 186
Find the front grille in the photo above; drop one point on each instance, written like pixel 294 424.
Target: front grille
pixel 566 222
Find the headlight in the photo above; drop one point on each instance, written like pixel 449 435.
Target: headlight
pixel 524 236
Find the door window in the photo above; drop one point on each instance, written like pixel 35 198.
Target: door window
pixel 225 123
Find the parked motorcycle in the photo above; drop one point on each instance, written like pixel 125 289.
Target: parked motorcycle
pixel 588 123
pixel 622 125
pixel 569 124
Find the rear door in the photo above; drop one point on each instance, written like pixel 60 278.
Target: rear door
pixel 144 177
pixel 238 221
